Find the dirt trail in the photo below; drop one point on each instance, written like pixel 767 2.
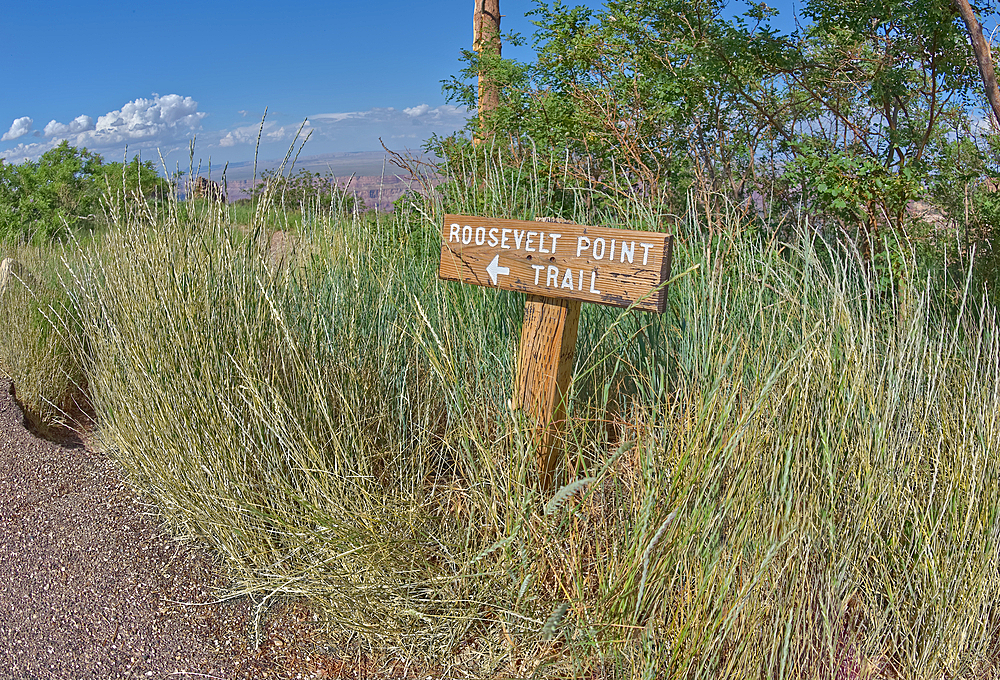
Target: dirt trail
pixel 91 588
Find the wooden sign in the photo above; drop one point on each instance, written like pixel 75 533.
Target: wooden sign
pixel 558 266
pixel 615 267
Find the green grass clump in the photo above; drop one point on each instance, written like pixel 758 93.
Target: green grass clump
pixel 36 352
pixel 789 474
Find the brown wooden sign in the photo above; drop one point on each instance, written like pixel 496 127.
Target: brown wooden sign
pixel 617 267
pixel 558 266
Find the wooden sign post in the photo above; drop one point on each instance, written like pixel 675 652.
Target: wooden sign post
pixel 558 266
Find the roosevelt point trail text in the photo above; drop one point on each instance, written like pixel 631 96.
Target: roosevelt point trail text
pixel 595 264
pixel 548 243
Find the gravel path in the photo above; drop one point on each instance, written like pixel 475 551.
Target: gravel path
pixel 91 588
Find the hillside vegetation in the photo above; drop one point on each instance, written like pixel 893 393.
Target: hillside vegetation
pixel 789 474
pixel 860 111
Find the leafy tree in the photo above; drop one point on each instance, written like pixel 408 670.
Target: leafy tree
pixel 644 96
pixel 68 189
pixel 41 200
pixel 138 179
pixel 877 86
pixel 847 118
pixel 984 56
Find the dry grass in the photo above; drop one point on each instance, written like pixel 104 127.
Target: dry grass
pixel 791 473
pixel 35 350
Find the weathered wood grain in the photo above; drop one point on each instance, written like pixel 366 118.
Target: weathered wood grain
pixel 545 367
pixel 617 267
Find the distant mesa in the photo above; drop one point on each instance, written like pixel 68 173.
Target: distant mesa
pixel 375 192
pixel 368 175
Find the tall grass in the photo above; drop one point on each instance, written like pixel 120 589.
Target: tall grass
pixel 789 474
pixel 36 352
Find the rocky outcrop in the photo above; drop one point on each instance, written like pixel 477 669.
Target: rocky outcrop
pixel 929 213
pixel 202 187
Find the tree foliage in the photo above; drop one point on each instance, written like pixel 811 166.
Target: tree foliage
pixel 68 189
pixel 848 118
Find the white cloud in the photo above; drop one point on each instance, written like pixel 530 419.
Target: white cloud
pixel 276 135
pixel 982 124
pixel 443 112
pixel 415 111
pixel 19 128
pixel 77 125
pixel 337 117
pixel 271 132
pixel 141 123
pixel 163 117
pixel 27 152
pixel 168 122
pixel 241 135
pixel 359 130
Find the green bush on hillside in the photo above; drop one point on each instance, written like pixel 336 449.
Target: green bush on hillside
pixel 69 190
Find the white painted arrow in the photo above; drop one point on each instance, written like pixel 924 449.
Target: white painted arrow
pixel 494 268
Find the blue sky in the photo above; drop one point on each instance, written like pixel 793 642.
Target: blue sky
pixel 154 75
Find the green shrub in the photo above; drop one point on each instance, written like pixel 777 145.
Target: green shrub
pixel 68 191
pixel 305 191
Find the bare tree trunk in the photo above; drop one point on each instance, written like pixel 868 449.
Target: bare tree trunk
pixel 983 55
pixel 486 41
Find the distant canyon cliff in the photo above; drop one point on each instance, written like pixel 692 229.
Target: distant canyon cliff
pixel 369 175
pixel 378 192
